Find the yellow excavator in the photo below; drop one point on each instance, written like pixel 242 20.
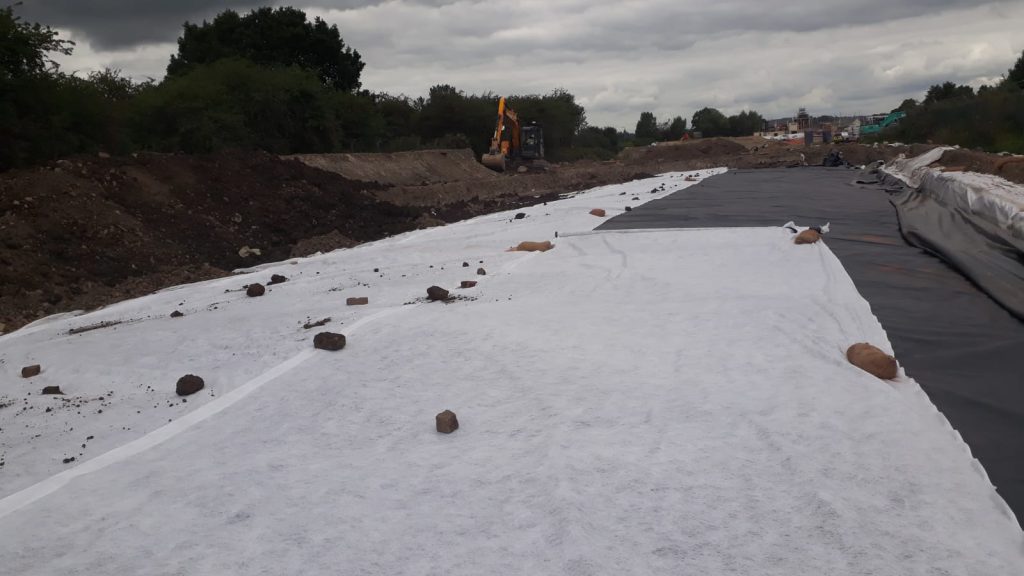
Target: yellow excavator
pixel 513 144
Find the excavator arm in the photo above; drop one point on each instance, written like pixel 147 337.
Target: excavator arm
pixel 505 142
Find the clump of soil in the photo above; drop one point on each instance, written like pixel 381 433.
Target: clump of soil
pixel 189 384
pixel 329 341
pixel 255 290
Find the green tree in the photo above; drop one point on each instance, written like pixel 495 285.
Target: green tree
pixel 116 87
pixel 602 138
pixel 947 91
pixel 675 129
pixel 270 37
pixel 647 127
pixel 992 121
pixel 45 114
pixel 710 122
pixel 235 103
pixel 906 106
pixel 448 111
pixel 612 135
pixel 398 112
pixel 557 113
pixel 25 47
pixel 1014 78
pixel 745 123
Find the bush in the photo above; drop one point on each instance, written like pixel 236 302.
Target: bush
pixel 46 117
pixel 271 37
pixel 448 110
pixel 237 104
pixel 557 113
pixel 993 121
pixel 44 114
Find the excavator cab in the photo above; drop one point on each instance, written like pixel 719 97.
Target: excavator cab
pixel 532 142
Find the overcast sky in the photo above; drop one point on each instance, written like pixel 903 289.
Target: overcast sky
pixel 619 57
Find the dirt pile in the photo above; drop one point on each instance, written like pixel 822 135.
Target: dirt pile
pixel 749 152
pixel 1009 167
pixel 690 150
pixel 755 152
pixel 418 168
pixel 87 231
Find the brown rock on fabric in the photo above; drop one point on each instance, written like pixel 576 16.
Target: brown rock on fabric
pixel 598 212
pixel 357 301
pixel 52 390
pixel 481 272
pixel 807 237
pixel 872 360
pixel 176 314
pixel 447 422
pixel 276 279
pixel 329 341
pixel 189 384
pixel 30 371
pixel 468 284
pixel 437 293
pixel 255 290
pixel 534 246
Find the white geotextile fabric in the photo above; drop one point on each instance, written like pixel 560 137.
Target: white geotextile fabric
pixel 669 402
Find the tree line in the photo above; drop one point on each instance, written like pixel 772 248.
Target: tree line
pixel 709 122
pixel 990 118
pixel 273 80
pixel 270 79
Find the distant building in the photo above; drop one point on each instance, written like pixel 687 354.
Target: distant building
pixel 803 120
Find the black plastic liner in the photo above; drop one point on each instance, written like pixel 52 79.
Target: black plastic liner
pixel 963 348
pixel 984 252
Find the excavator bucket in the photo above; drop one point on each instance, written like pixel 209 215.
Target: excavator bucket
pixel 494 161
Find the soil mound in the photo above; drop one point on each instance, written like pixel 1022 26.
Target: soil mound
pixel 86 231
pixel 416 168
pixel 687 150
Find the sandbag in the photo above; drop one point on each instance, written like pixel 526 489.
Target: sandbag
pixel 872 360
pixel 532 246
pixel 809 236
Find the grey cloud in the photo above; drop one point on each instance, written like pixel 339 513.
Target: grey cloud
pixel 110 24
pixel 622 57
pixel 119 24
pixel 113 24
